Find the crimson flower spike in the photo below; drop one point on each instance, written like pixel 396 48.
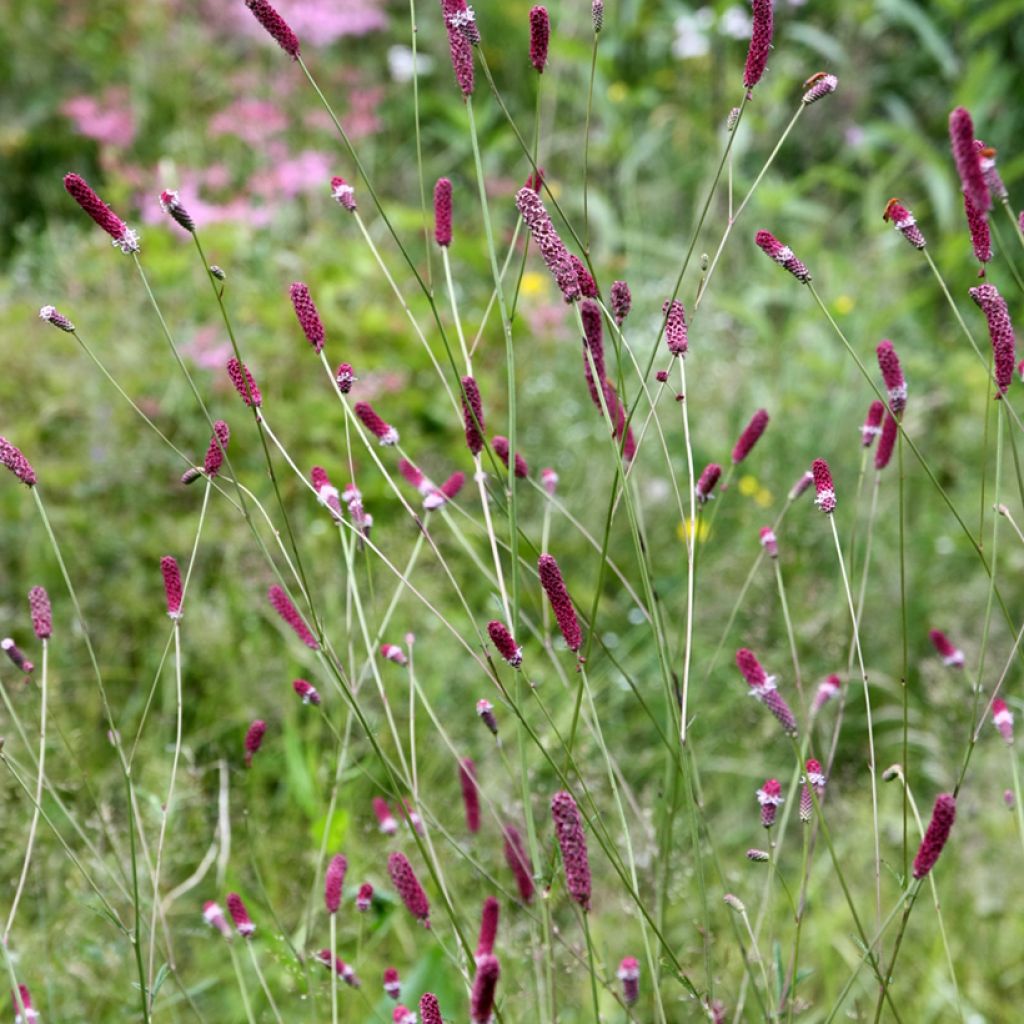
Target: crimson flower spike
pixel 42 615
pixel 501 449
pixel 488 928
pixel 783 255
pixel 819 86
pixel 903 221
pixel 470 794
pixel 54 316
pixel 751 435
pixel 217 448
pixel 364 898
pixel 588 286
pixel 815 778
pixel 519 863
pixel 24 997
pixel 706 482
pixel 254 740
pixel 283 606
pixel 430 1009
pixel 123 237
pixel 540 33
pixel 629 974
pixel 460 25
pixel 675 327
pixel 769 541
pixel 1002 719
pixel 17 655
pixel 485 983
pixel 824 488
pixel 967 159
pixel 334 881
pixel 343 194
pixel 170 203
pixel 763 688
pixel 1000 332
pixel 306 692
pixel 935 836
pixel 887 442
pixel 981 238
pixel 244 383
pixel 760 44
pixel 243 923
pixel 307 315
pixel 172 585
pixel 392 983
pixel 951 655
pixel 473 415
pixel 827 689
pixel 505 643
pixel 572 841
pixel 593 340
pixel 769 796
pixel 892 374
pixel 443 212
pixel 386 821
pixel 561 604
pixel 12 458
pixel 214 916
pixel 276 26
pixel 552 248
pixel 621 301
pixel 408 887
pixel 872 423
pixel 384 432
pixel 485 709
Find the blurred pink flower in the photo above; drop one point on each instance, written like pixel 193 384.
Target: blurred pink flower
pixel 320 22
pixel 250 120
pixel 207 349
pixel 108 118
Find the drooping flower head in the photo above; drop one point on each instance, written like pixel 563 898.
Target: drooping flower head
pixel 872 423
pixel 488 927
pixel 485 709
pixel 123 237
pixel 214 916
pixel 540 33
pixel 903 221
pixel 621 301
pixel 816 778
pixel 276 26
pixel 706 482
pixel 384 432
pixel 951 654
pixel 408 887
pixel 470 794
pixel 236 908
pixel 675 327
pixel 629 974
pixel 887 442
pixel 505 643
pixel 343 194
pixel 307 315
pixel 1000 332
pixel 818 86
pixel 42 615
pixel 561 604
pixel 519 863
pixel 485 983
pixel 751 435
pixel 443 212
pixel 572 842
pixel 334 881
pixel 593 351
pixel 1002 719
pixel 54 316
pixel 549 480
pixel 172 585
pixel 827 689
pixel 254 740
pixel 763 688
pixel 783 255
pixel 306 692
pixel 473 415
pixel 343 970
pixel 17 655
pixel 244 383
pixel 326 492
pixel 170 203
pixel 364 898
pixel 552 248
pixel 981 237
pixel 823 486
pixel 501 449
pixel 769 796
pixel 935 836
pixel 967 159
pixel 392 983
pixel 758 856
pixel 15 461
pixel 392 652
pixel 760 43
pixel 217 449
pixel 281 603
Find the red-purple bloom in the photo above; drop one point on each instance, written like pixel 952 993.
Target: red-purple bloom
pixel 470 794
pixel 214 916
pixel 827 689
pixel 217 449
pixel 872 423
pixel 344 378
pixel 17 656
pixel 326 492
pixel 500 446
pixel 236 908
pixel 815 778
pixel 460 26
pixel 552 248
pixel 414 477
pixel 977 227
pixel 706 482
pixel 170 203
pixel 629 974
pixel 968 160
pixel 618 414
pixel 597 15
pixel 485 709
pixel 244 383
pixel 392 983
pixel 12 458
pixel 1002 718
pixel 42 616
pixel 386 821
pixel 342 969
pixel 430 1009
pixel 364 898
pixel 675 327
pixel 892 374
pixel 505 643
pixel 801 485
pixel 540 33
pixel 124 238
pixel 549 480
pixel 935 836
pixel 760 44
pixel 392 652
pixel 818 86
pixel 54 316
pixel 1000 331
pixel 750 436
pixel 481 999
pixel 334 880
pixel 254 740
pixel 561 604
pixel 276 26
pixel 588 286
pixel 472 415
pixel 987 159
pixel 758 856
pixel 593 340
pixel 488 928
pixel 769 796
pixel 783 255
pixel 172 585
pixel 519 863
pixel 408 887
pixel 573 843
pixel 307 315
pixel 903 221
pixel 451 487
pixel 764 688
pixel 823 486
pixel 22 1000
pixel 343 193
pixel 951 654
pixel 621 301
pixel 769 541
pixel 443 212
pixel 384 432
pixel 306 691
pixel 887 442
pixel 282 604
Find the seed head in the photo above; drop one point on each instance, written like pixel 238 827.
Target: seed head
pixel 53 316
pixel 903 221
pixel 706 482
pixel 519 863
pixel 552 249
pixel 987 159
pixel 629 974
pixel 307 315
pixel 12 458
pixel 769 796
pixel 500 446
pixel 42 615
pixel 561 604
pixel 823 486
pixel 22 1000
pixel 872 421
pixel 343 193
pixel 172 585
pixel 334 880
pixel 408 887
pixel 214 916
pixel 384 432
pixel 1002 718
pixel 935 836
pixel 217 448
pixel 620 300
pixel 282 604
pixel 505 643
pixel 1000 331
pixel 783 255
pixel 572 841
pixel 827 689
pixel 170 203
pixel 950 654
pixel 750 436
pixel 540 33
pixel 253 740
pixel 769 541
pixel 488 928
pixel 760 44
pixel 470 794
pixel 392 983
pixel 364 898
pixel 549 480
pixel 17 656
pixel 244 383
pixel 675 327
pixel 236 908
pixel 892 374
pixel 443 212
pixel 967 159
pixel 123 237
pixel 472 415
pixel 818 86
pixel 485 709
pixel 306 692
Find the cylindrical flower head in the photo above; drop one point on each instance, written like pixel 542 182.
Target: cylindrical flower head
pixel 1002 718
pixel 307 315
pixel 505 643
pixel 573 843
pixel 977 227
pixel 282 604
pixel 472 415
pixel 872 423
pixel 244 383
pixel 443 212
pixel 1000 331
pixel 451 487
pixel 750 436
pixel 364 898
pixel 593 341
pixel 935 836
pixel 190 476
pixel 52 315
pixel 540 33
pixel 307 692
pixel 15 461
pixel 334 881
pixel 892 374
pixel 470 794
pixel 408 887
pixel 987 159
pixel 552 248
pixel 763 688
pixel 824 488
pixel 903 221
pixel 392 983
pixel 217 448
pixel 392 652
pixel 213 915
pixel 618 414
pixel 769 796
pixel 816 778
pixel 430 1009
pixel 236 908
pixel 629 974
pixel 172 585
pixel 519 863
pixel 887 442
pixel 488 927
pixel 675 327
pixel 384 432
pixel 951 654
pixel 769 541
pixel 597 15
pixel 967 159
pixel 588 286
pixel 457 20
pixel 758 856
pixel 276 26
pixel 783 255
pixel 485 983
pixel 123 237
pixel 706 482
pixel 344 378
pixel 42 615
pixel 500 446
pixel 17 656
pixel 170 203
pixel 343 194
pixel 254 740
pixel 23 1000
pixel 827 689
pixel 818 86
pixel 485 709
pixel 621 301
pixel 760 44
pixel 801 485
pixel 561 604
pixel 414 477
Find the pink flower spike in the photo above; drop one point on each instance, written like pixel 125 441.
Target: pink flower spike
pixel 485 709
pixel 451 487
pixel 1002 718
pixel 561 604
pixel 519 863
pixel 706 482
pixel 552 248
pixel 392 652
pixel 892 374
pixel 385 819
pixel 750 436
pixel 823 486
pixel 42 615
pixel 827 689
pixel 763 688
pixel 307 315
pixel 52 315
pixel 472 415
pixel 344 378
pixel 276 26
pixel 783 255
pixel 24 998
pixel 485 983
pixel 488 928
pixel 500 446
pixel 760 44
pixel 815 778
pixel 213 915
pixel 334 881
pixel 12 458
pixel 629 974
pixel 306 692
pixel 364 898
pixel 950 654
pixel 170 203
pixel 935 836
pixel 392 983
pixel 244 383
pixel 17 656
pixel 769 796
pixel 283 606
pixel 572 841
pixel 470 794
pixel 769 541
pixel 505 643
pixel 540 33
pixel 404 879
pixel 1000 332
pixel 253 740
pixel 675 327
pixel 801 485
pixel 549 480
pixel 430 1009
pixel 172 585
pixel 620 300
pixel 758 856
pixel 384 432
pixel 243 923
pixel 403 1015
pixel 414 477
pixel 887 442
pixel 217 449
pixel 326 492
pixel 872 423
pixel 460 45
pixel 819 86
pixel 903 221
pixel 588 287
pixel 981 238
pixel 597 15
pixel 123 237
pixel 443 212
pixel 967 159
pixel 343 194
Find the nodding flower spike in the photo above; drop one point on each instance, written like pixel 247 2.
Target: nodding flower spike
pixel 1000 332
pixel 561 604
pixel 903 221
pixel 987 159
pixel 214 916
pixel 334 881
pixel 485 983
pixel 384 432
pixel 12 457
pixel 364 898
pixel 552 248
pixel 783 255
pixel 392 652
pixel 52 315
pixel 819 86
pixel 500 446
pixel 734 902
pixel 519 863
pixel 549 480
pixel 306 691
pixel 977 228
pixel 758 856
pixel 170 203
pixel 540 33
pixel 190 476
pixel 760 44
pixel 470 794
pixel 801 485
pixel 458 23
pixel 675 327
pixel 172 585
pixel 408 887
pixel 485 709
pixel 282 604
pixel 236 908
pixel 326 492
pixel 472 415
pixel 42 614
pixel 935 836
pixel 430 1009
pixel 706 482
pixel 344 378
pixel 244 383
pixel 824 488
pixel 414 477
pixel 343 194
pixel 620 300
pixel 307 315
pixel 276 26
pixel 593 340
pixel 505 643
pixel 951 655
pixel 629 974
pixel 769 796
pixel 123 237
pixel 827 689
pixel 892 374
pixel 814 777
pixel 386 821
pixel 872 423
pixel 392 983
pixel 17 656
pixel 572 841
pixel 887 442
pixel 488 927
pixel 254 740
pixel 443 212
pixel 217 448
pixel 763 688
pixel 22 1000
pixel 769 541
pixel 451 487
pixel 342 969
pixel 588 287
pixel 750 436
pixel 1002 719
pixel 968 159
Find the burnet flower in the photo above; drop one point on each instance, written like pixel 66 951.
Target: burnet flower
pixel 763 688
